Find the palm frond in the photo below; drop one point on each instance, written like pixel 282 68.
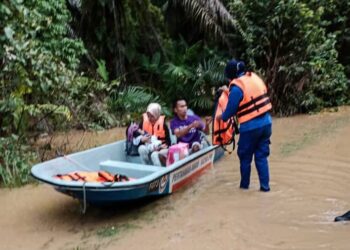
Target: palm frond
pixel 75 4
pixel 174 72
pixel 212 16
pixel 132 100
pixel 201 102
pixel 209 73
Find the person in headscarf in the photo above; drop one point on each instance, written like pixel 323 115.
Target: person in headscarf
pixel 154 125
pixel 153 111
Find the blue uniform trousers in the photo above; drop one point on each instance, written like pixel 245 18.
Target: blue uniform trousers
pixel 255 142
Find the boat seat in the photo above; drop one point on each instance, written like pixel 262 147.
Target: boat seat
pixel 133 159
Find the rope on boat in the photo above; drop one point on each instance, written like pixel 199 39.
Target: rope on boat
pixel 83 211
pixel 75 163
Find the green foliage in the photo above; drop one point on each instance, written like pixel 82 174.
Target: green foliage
pixel 102 71
pixel 190 71
pixel 336 20
pixel 288 45
pixel 295 44
pixel 88 101
pixel 208 77
pixel 209 17
pixel 38 62
pixel 15 161
pixel 190 74
pixel 153 64
pixel 37 71
pixel 130 102
pixel 107 231
pixel 328 82
pixel 119 31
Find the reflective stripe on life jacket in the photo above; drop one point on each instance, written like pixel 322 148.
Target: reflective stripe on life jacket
pixel 255 100
pixel 223 132
pixel 157 129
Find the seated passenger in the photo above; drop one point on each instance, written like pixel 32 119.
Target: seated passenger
pixel 187 128
pixel 153 124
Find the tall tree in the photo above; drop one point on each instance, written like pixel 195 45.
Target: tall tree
pixel 288 44
pixel 118 31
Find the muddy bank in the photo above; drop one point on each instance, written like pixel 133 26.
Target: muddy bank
pixel 310 173
pixel 49 146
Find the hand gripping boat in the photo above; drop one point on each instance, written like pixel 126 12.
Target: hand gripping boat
pixel 127 178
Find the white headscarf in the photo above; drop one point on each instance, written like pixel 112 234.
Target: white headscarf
pixel 154 109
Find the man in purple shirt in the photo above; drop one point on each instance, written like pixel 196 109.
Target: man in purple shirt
pixel 186 127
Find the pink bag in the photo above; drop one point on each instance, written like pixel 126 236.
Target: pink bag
pixel 177 152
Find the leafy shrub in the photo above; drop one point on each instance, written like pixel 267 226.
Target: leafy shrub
pixel 287 44
pixel 130 102
pixel 192 72
pixel 38 62
pixel 88 101
pixel 15 161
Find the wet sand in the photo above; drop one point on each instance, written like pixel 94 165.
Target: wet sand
pixel 310 173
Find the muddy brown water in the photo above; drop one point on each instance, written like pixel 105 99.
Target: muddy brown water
pixel 310 182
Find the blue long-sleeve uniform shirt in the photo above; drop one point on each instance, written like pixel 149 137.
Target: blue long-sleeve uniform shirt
pixel 235 97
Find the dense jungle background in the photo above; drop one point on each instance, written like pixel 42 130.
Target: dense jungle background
pixel 96 64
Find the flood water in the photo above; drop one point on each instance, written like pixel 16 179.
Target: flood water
pixel 310 184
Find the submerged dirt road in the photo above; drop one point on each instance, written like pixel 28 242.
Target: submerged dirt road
pixel 310 182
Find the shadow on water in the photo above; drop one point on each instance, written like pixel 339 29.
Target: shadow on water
pixel 68 214
pixel 123 208
pixel 74 207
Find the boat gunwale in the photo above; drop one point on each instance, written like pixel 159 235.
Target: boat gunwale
pixel 144 181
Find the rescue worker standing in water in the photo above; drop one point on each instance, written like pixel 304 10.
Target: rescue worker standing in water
pixel 248 100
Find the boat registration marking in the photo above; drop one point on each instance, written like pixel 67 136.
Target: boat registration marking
pixel 158 184
pixel 190 168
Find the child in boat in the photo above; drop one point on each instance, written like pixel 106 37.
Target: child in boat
pixel 137 137
pixel 152 143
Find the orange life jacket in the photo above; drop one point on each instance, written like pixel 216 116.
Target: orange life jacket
pixel 157 129
pixel 255 100
pixel 223 132
pixel 100 176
